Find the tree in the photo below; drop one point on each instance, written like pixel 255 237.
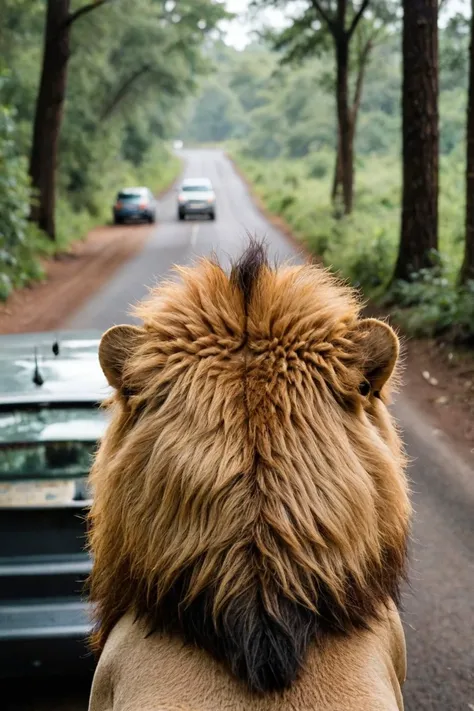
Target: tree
pixel 127 59
pixel 467 269
pixel 340 23
pixel 419 229
pixel 364 48
pixel 49 108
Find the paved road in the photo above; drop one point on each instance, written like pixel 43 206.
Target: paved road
pixel 439 608
pixel 181 242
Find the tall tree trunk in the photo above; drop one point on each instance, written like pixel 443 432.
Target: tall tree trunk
pixel 337 179
pixel 467 269
pixel 419 231
pixel 48 116
pixel 353 116
pixel 336 24
pixel 346 142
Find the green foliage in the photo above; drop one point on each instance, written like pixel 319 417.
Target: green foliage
pixel 20 242
pixel 429 306
pixel 363 246
pixel 218 115
pixel 320 164
pixel 289 111
pixel 158 170
pixel 286 132
pixel 132 66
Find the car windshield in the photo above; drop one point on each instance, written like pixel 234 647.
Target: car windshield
pixel 130 197
pixel 196 188
pixel 48 442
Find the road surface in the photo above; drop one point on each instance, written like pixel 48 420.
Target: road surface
pixel 181 242
pixel 439 607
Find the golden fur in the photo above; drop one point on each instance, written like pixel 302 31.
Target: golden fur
pixel 251 462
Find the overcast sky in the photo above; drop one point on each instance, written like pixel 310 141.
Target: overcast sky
pixel 238 31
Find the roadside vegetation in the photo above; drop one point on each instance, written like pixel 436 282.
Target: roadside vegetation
pixel 363 246
pixel 275 107
pixel 90 96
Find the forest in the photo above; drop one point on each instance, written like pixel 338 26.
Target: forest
pixel 354 123
pixel 90 93
pixel 275 107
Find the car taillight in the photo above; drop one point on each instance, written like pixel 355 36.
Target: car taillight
pixel 143 205
pixel 210 199
pixel 118 205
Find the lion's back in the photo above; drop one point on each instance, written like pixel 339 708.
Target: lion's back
pixel 158 673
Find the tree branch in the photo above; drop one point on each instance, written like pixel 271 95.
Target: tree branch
pixel 323 14
pixel 73 16
pixel 373 38
pixel 357 18
pixel 363 60
pixel 122 91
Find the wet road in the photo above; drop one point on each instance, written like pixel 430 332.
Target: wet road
pixel 439 608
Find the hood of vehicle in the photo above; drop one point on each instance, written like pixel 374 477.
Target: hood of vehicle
pixel 73 375
pixel 198 196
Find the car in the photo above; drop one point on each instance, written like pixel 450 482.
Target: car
pixel 134 204
pixel 50 423
pixel 196 196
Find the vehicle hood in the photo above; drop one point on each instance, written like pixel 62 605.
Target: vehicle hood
pixel 73 375
pixel 197 196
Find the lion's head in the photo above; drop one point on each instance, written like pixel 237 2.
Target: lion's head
pixel 250 490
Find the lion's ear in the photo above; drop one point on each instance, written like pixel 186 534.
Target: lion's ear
pixel 380 351
pixel 116 346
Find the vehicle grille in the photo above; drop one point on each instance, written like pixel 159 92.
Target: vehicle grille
pixel 42 553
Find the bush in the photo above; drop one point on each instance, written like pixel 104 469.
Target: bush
pixel 429 305
pixel 21 244
pixel 320 164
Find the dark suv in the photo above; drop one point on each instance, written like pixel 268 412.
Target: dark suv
pixel 134 204
pixel 50 422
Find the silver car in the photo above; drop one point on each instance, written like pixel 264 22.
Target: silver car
pixel 50 423
pixel 196 196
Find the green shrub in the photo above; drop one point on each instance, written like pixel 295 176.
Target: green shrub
pixel 21 244
pixel 430 305
pixel 319 165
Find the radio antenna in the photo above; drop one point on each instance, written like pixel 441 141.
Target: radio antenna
pixel 37 377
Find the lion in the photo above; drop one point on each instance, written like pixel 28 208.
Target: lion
pixel 251 510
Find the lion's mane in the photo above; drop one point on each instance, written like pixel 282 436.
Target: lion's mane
pixel 249 494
